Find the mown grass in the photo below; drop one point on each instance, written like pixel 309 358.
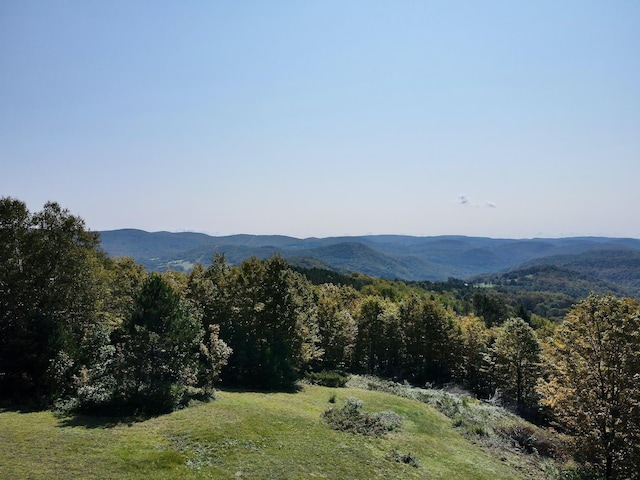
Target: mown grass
pixel 245 435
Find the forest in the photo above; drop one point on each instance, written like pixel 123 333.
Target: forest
pixel 83 332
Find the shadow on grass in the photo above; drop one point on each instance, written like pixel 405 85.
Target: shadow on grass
pixel 115 419
pixel 21 409
pixel 103 422
pixel 23 406
pixel 67 419
pixel 295 388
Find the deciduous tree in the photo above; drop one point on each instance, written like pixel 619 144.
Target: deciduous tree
pixel 379 338
pixel 267 316
pixel 50 298
pixel 433 340
pixel 515 359
pixel 337 327
pixel 593 386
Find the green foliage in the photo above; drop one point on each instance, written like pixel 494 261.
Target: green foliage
pixel 378 346
pixel 337 328
pixel 476 339
pixel 530 439
pixel 592 384
pixel 50 292
pixel 156 360
pixel 433 341
pixel 490 307
pixel 579 472
pixel 266 315
pixel 214 355
pixel 159 347
pixel 514 362
pixel 323 276
pixel 328 378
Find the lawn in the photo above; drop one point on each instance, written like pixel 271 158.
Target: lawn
pixel 244 435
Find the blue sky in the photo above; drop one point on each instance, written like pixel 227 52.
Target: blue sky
pixel 494 118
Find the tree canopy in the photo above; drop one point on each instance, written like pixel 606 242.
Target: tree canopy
pixel 50 293
pixel 93 334
pixel 593 384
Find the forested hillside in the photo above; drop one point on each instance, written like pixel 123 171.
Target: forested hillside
pixel 611 260
pixel 82 332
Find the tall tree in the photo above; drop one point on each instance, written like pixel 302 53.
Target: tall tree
pixel 515 359
pixel 337 327
pixel 50 293
pixel 491 308
pixel 476 338
pixel 267 316
pixel 379 339
pixel 433 340
pixel 593 383
pixel 160 347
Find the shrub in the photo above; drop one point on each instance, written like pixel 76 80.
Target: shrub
pixel 389 420
pixel 470 425
pixel 350 418
pixel 328 378
pixel 579 473
pixel 406 458
pixel 531 440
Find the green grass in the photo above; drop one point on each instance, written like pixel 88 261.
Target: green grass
pixel 245 435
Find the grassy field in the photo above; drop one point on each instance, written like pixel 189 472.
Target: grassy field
pixel 245 435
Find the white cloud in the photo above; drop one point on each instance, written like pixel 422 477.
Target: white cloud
pixel 466 201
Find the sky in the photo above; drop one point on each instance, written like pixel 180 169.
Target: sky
pixel 503 119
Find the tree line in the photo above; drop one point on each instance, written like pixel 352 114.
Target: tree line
pixel 88 333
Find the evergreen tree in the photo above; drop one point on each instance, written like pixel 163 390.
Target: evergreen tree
pixel 159 349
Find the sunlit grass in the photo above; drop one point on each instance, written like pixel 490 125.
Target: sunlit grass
pixel 244 435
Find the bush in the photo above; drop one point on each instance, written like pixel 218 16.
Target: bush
pixel 579 473
pixel 406 458
pixel 389 420
pixel 531 440
pixel 350 418
pixel 471 425
pixel 328 378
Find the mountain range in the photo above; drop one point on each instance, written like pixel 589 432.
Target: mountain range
pixel 613 262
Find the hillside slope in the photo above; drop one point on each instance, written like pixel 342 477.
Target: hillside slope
pixel 614 269
pixel 616 261
pixel 246 435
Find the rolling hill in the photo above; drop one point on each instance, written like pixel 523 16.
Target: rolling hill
pixel 614 261
pixel 265 436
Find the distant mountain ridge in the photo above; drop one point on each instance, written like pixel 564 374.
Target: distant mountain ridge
pixel 612 260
